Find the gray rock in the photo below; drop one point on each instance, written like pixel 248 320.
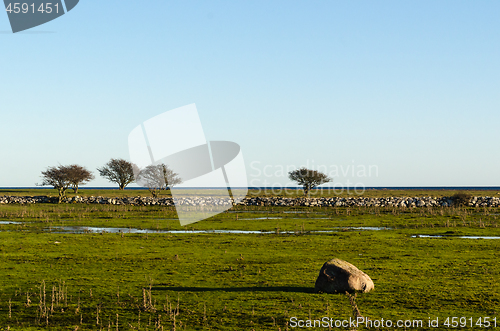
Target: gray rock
pixel 338 276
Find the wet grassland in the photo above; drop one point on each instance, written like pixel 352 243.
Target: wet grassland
pixel 55 279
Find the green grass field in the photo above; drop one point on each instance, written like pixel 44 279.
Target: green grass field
pixel 56 280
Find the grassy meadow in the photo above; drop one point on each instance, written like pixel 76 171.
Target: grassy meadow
pixel 57 280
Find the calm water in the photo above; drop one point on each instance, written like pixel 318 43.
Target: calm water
pixel 461 237
pixel 9 222
pixel 84 229
pixel 462 188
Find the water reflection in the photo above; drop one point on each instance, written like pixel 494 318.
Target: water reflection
pixel 461 237
pixel 260 218
pixel 369 228
pixel 83 229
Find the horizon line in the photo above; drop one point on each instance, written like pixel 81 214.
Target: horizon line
pixel 483 187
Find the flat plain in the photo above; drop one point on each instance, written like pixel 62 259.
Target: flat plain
pixel 55 279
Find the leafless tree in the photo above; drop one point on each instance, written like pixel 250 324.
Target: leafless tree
pixel 158 177
pixel 309 179
pixel 118 171
pixel 58 177
pixel 78 175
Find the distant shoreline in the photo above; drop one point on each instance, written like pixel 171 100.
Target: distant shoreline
pixel 427 188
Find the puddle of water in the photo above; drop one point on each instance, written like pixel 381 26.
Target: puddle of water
pixel 308 218
pixel 83 229
pixel 9 222
pixel 460 237
pixel 251 211
pixel 275 212
pixel 260 218
pixel 279 218
pixel 367 228
pixel 302 212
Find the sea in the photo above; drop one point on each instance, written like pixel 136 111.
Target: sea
pixel 435 188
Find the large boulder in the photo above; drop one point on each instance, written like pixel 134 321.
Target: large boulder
pixel 338 276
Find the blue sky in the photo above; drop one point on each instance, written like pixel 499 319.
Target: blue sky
pixel 409 87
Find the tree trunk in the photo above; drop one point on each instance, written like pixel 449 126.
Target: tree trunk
pixel 61 193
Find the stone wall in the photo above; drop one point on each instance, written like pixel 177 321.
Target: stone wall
pixel 264 201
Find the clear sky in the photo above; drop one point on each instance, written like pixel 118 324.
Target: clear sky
pixel 410 88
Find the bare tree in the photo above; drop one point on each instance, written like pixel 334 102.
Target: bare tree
pixel 58 177
pixel 309 179
pixel 118 171
pixel 158 177
pixel 78 175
